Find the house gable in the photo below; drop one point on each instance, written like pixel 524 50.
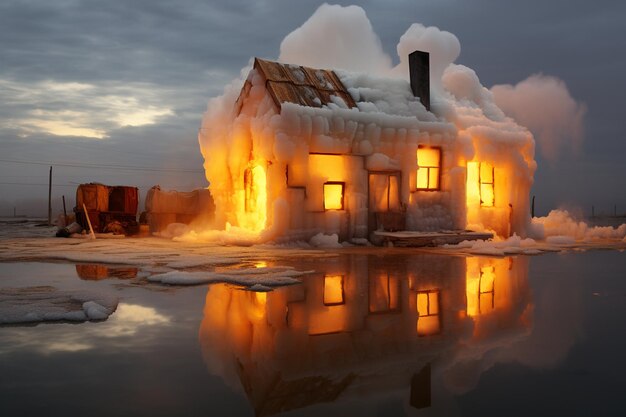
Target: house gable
pixel 300 85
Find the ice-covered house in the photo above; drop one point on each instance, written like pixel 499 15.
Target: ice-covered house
pixel 298 151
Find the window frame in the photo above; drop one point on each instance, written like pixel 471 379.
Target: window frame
pixel 343 194
pixel 492 292
pixel 428 168
pixel 343 293
pixel 429 314
pixel 492 183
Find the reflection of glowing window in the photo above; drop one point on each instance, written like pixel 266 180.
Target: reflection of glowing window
pixel 333 195
pixel 486 289
pixel 428 322
pixel 333 290
pixel 487 194
pixel 384 293
pixel 428 168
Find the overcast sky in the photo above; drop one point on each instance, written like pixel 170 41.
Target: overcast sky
pixel 108 85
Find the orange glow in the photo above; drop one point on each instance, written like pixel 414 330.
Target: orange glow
pixel 473 185
pixel 97 272
pixel 480 285
pixel 333 290
pixel 480 185
pixel 487 195
pixel 333 196
pixel 255 184
pixel 326 182
pixel 428 322
pixel 260 298
pixel 331 167
pixel 429 164
pixel 428 325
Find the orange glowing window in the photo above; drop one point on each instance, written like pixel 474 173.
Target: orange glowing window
pixel 333 290
pixel 428 168
pixel 487 187
pixel 384 293
pixel 333 195
pixel 428 317
pixel 486 289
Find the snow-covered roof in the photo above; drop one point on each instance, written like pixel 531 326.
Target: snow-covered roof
pixel 317 89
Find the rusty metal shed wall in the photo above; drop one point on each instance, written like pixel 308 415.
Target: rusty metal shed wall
pixel 301 85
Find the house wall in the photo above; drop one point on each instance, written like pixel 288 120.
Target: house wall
pixel 513 172
pixel 347 148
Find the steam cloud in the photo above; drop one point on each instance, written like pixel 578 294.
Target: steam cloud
pixel 336 37
pixel 544 105
pixel 343 38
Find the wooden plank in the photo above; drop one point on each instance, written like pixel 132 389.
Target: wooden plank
pixel 418 239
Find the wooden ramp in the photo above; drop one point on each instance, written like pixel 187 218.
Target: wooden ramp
pixel 417 239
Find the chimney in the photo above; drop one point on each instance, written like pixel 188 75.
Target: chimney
pixel 419 72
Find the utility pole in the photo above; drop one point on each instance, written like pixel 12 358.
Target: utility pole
pixel 50 198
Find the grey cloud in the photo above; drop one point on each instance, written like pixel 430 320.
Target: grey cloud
pixel 187 50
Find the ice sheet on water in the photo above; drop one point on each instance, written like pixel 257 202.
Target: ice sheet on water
pixel 45 303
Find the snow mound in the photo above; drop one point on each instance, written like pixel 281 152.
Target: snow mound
pixel 44 303
pixel 248 277
pixel 560 240
pixel 561 223
pixel 321 240
pixel 514 245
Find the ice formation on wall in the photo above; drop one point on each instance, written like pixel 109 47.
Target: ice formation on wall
pixel 273 168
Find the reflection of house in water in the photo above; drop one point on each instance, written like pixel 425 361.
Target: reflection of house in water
pixel 361 324
pixel 94 272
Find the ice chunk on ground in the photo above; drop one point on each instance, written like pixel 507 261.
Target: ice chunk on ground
pixel 45 303
pixel 321 240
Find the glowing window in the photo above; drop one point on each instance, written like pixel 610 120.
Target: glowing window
pixel 487 194
pixel 486 289
pixel 333 290
pixel 333 195
pixel 428 168
pixel 384 293
pixel 428 321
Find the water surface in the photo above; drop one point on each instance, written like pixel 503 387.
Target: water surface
pixel 393 334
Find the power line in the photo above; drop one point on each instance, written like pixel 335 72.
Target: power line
pixel 76 184
pixel 103 166
pixel 32 183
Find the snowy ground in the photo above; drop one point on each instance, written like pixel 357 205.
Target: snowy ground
pixel 166 262
pixel 157 261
